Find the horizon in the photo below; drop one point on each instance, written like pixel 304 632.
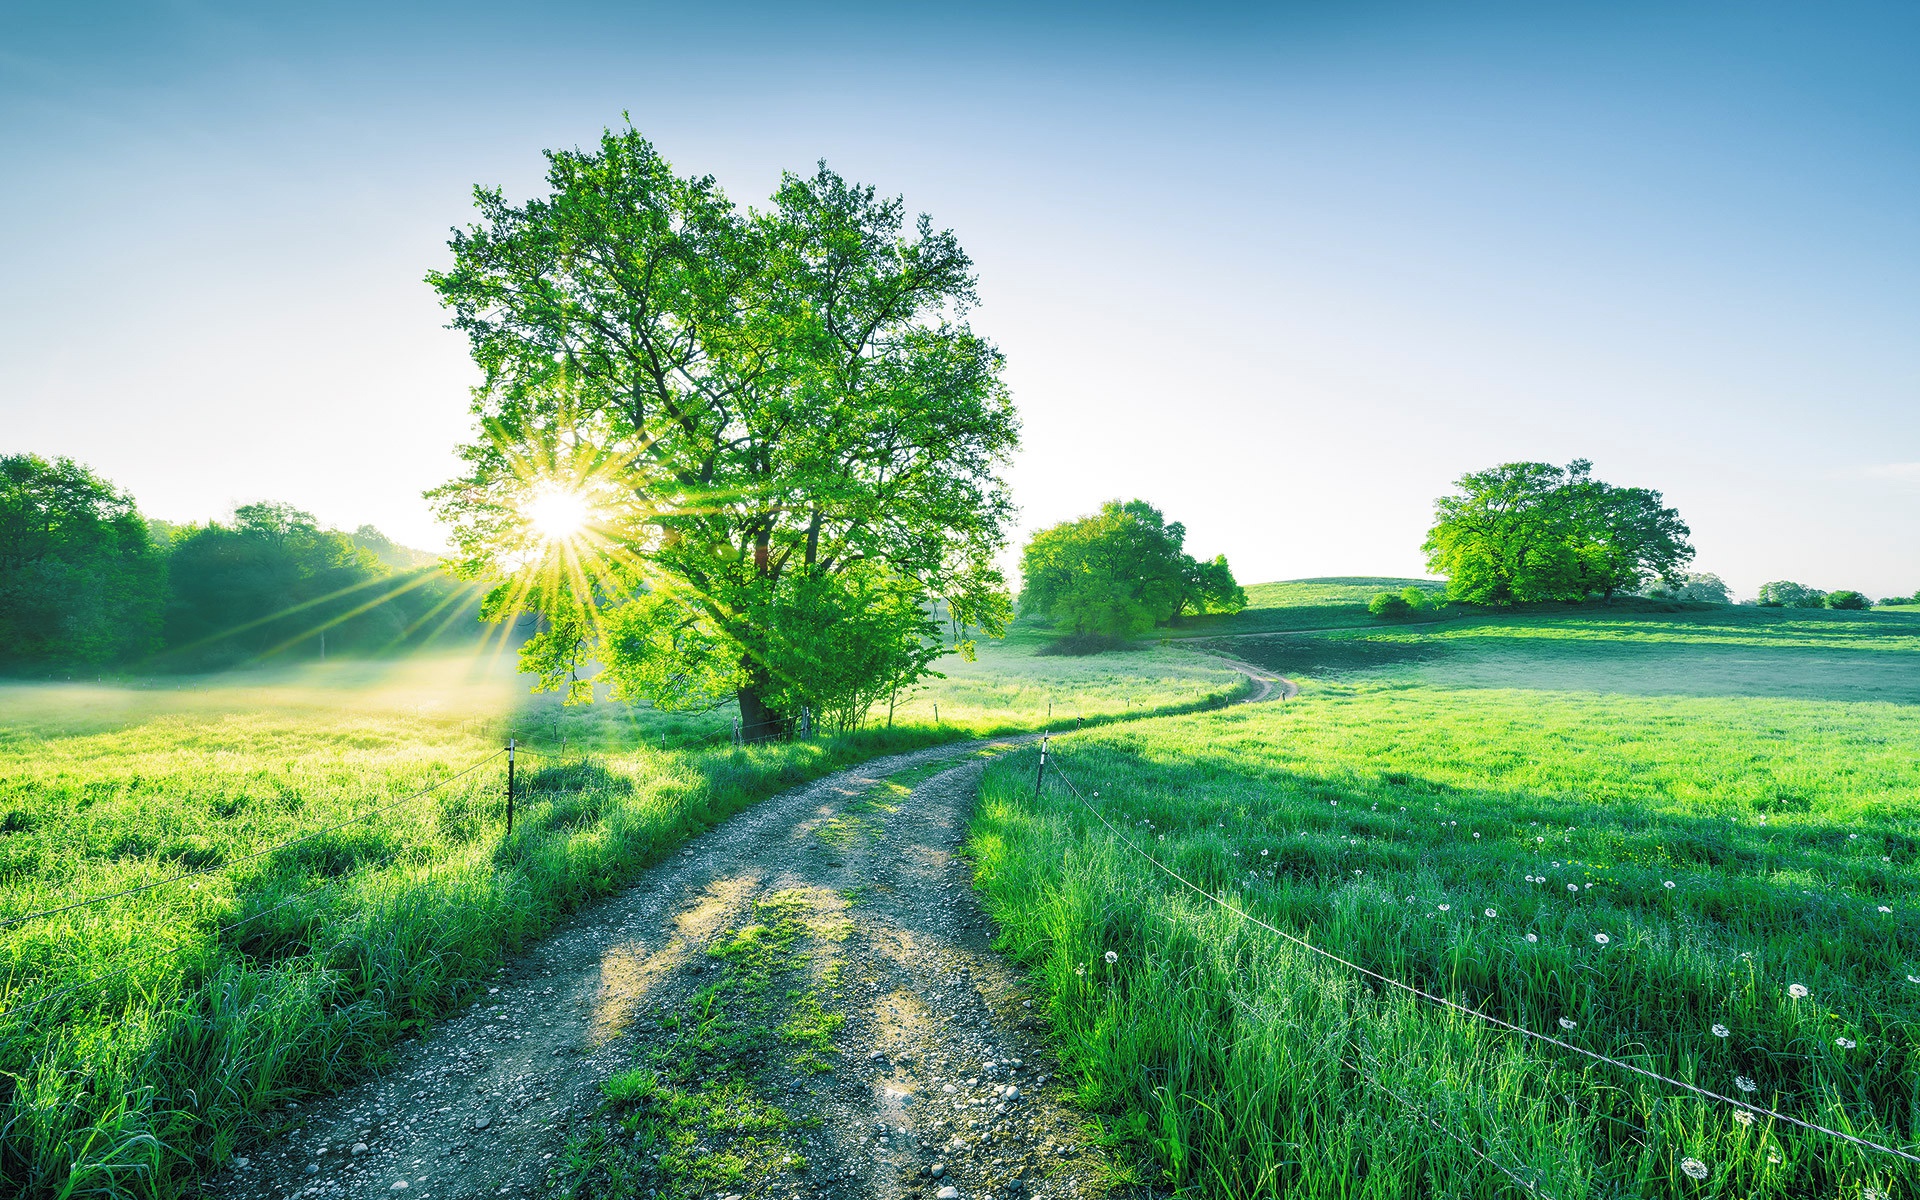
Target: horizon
pixel 1385 247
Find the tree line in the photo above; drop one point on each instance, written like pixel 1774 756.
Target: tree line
pixel 89 583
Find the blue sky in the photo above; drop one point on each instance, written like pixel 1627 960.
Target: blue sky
pixel 1284 272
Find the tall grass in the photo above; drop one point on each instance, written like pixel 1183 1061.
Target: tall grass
pixel 221 997
pixel 1474 842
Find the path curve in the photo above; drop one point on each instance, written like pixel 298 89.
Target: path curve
pixel 939 1065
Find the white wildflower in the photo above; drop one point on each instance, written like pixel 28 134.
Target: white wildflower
pixel 1743 1116
pixel 1601 938
pixel 1491 913
pixel 1533 937
pixel 1446 908
pixel 1720 1031
pixel 1113 956
pixel 1885 909
pixel 1694 1168
pixel 1745 1084
pixel 1797 990
pixel 1669 885
pixel 1845 1043
pixel 1573 887
pixel 1566 1024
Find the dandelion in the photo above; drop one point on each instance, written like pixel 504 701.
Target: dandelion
pixel 1112 957
pixel 1491 913
pixel 1566 1023
pixel 1533 937
pixel 1081 970
pixel 1573 887
pixel 1694 1168
pixel 1886 858
pixel 1853 837
pixel 1720 1031
pixel 1913 979
pixel 1601 938
pixel 1669 885
pixel 1845 1043
pixel 1885 909
pixel 1529 879
pixel 1797 990
pixel 1446 908
pixel 1773 1156
pixel 1745 1084
pixel 1410 901
pixel 1263 854
pixel 1743 1116
pixel 1539 841
pixel 1476 837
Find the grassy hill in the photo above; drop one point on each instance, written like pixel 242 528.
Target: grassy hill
pixel 1642 833
pixel 1333 601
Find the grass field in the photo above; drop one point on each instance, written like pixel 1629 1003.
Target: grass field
pixel 145 1037
pixel 1333 602
pixel 1727 797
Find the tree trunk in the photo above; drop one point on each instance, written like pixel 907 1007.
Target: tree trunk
pixel 758 723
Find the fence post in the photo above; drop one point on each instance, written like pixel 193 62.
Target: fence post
pixel 1042 774
pixel 736 729
pixel 509 786
pixel 936 714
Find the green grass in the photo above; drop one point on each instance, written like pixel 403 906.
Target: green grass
pixel 350 942
pixel 291 974
pixel 1334 602
pixel 1766 763
pixel 1010 688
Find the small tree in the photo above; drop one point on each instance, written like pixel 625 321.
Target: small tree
pixel 1784 593
pixel 1532 531
pixel 1121 571
pixel 1850 600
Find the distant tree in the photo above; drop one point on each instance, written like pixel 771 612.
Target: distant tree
pixel 1902 600
pixel 1703 588
pixel 1784 593
pixel 1391 604
pixel 1850 600
pixel 1527 531
pixel 81 582
pixel 1121 571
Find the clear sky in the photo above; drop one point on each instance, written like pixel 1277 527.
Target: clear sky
pixel 1285 271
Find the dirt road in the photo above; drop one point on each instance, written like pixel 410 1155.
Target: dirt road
pixel 802 1003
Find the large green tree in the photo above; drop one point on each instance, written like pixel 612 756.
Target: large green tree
pixel 1121 571
pixel 763 419
pixel 81 583
pixel 1532 531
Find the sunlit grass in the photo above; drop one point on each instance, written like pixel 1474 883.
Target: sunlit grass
pixel 1408 813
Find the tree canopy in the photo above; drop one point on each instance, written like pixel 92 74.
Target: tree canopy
pixel 80 579
pixel 781 434
pixel 1532 531
pixel 1121 571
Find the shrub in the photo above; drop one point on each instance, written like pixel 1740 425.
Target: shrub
pixel 1415 598
pixel 1848 600
pixel 1389 604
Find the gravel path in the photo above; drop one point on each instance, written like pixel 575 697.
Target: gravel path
pixel 937 1084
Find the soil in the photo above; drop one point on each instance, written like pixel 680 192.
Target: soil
pixel 935 1080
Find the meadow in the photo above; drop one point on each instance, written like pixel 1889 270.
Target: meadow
pixel 144 1038
pixel 1686 841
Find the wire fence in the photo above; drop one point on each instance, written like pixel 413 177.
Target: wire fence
pixel 1050 768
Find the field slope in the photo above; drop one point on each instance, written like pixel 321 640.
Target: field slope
pixel 1685 841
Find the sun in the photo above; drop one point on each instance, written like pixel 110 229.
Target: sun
pixel 557 513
